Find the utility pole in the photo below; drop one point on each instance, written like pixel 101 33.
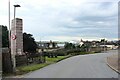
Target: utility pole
pixel 9 24
pixel 104 45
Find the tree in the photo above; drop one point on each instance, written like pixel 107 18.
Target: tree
pixel 103 41
pixel 5 39
pixel 54 44
pixel 86 46
pixel 69 46
pixel 29 44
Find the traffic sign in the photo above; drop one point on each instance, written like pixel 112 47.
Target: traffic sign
pixel 13 36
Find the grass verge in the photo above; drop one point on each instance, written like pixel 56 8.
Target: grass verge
pixel 33 67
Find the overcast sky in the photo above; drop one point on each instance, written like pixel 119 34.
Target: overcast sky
pixel 65 20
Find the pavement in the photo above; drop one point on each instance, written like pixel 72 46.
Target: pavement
pixel 81 66
pixel 112 62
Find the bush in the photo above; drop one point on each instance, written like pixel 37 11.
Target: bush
pixel 97 52
pixel 82 53
pixel 64 52
pixel 73 51
pixel 60 52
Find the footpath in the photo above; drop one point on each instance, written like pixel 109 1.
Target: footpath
pixel 113 62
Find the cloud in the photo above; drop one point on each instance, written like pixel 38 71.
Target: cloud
pixel 52 19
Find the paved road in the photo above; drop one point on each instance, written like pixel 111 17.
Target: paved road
pixel 82 66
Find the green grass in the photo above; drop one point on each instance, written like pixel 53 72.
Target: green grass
pixel 33 67
pixel 55 59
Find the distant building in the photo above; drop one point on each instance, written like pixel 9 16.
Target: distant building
pixel 61 45
pixel 77 43
pixel 47 44
pixel 81 42
pixel 110 46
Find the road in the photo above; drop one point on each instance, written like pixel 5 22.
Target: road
pixel 81 66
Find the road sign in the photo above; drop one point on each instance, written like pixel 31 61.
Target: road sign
pixel 13 36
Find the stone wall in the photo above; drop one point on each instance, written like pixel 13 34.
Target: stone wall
pixel 6 61
pixel 21 60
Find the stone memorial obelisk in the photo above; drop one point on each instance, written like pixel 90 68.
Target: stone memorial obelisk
pixel 16 39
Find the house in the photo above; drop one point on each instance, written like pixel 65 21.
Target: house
pixel 77 43
pixel 110 46
pixel 61 45
pixel 47 44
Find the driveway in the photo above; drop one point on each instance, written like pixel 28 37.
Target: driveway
pixel 81 66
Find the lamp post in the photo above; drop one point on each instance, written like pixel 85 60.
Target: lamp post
pixel 9 22
pixel 13 55
pixel 15 12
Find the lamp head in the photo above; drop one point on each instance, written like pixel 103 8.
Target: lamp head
pixel 17 5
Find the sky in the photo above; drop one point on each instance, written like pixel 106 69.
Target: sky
pixel 65 20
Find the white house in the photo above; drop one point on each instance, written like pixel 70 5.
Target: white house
pixel 77 42
pixel 110 46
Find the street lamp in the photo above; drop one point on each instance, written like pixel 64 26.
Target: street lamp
pixel 15 9
pixel 14 60
pixel 15 12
